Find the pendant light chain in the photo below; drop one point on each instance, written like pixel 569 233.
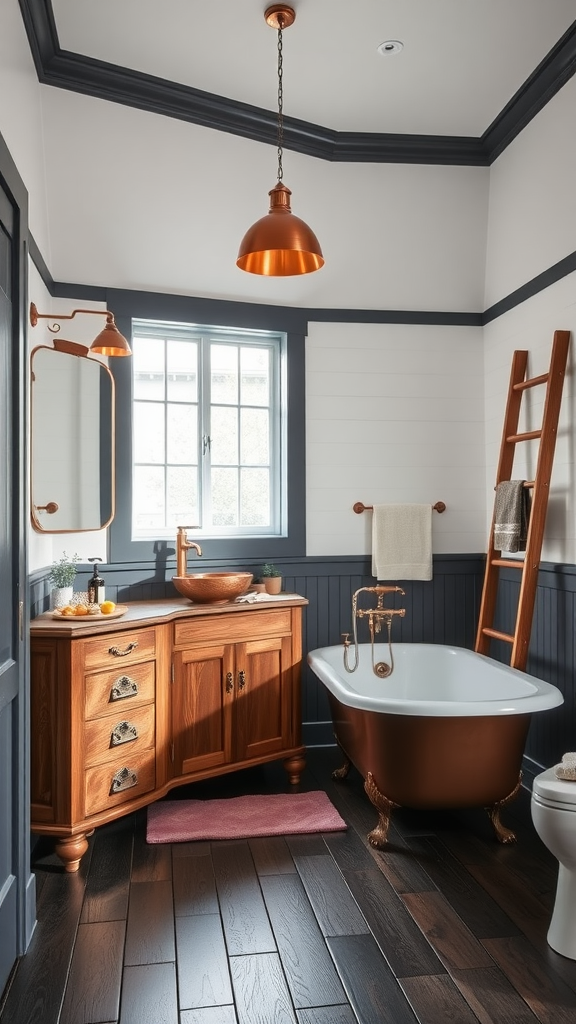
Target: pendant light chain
pixel 280 101
pixel 279 244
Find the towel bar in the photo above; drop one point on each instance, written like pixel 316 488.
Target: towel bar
pixel 359 507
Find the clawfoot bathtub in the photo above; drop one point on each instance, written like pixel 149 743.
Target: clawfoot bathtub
pixel 447 729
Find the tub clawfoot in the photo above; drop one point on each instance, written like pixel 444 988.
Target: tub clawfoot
pixel 342 772
pixel 503 834
pixel 378 837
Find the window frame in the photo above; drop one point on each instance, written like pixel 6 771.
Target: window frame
pixel 128 306
pixel 204 337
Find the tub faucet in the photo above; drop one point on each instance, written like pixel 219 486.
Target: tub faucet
pixel 182 546
pixel 375 617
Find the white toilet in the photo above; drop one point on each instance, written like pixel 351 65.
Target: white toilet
pixel 553 807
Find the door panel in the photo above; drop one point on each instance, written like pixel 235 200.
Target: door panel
pixel 8 880
pixel 201 710
pixel 17 890
pixel 9 575
pixel 262 712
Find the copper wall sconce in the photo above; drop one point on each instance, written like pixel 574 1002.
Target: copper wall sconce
pixel 109 342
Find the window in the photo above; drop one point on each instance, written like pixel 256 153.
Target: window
pixel 242 326
pixel 208 431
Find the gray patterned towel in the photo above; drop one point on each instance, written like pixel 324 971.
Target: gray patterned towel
pixel 511 511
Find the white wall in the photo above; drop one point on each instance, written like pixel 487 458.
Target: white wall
pixel 532 226
pixel 21 118
pixel 531 326
pixel 394 414
pixel 532 210
pixel 150 203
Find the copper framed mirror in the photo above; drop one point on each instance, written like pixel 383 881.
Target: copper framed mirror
pixel 72 440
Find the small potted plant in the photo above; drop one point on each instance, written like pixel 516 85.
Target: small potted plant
pixel 62 575
pixel 271 578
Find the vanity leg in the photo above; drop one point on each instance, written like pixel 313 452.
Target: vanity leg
pixel 294 766
pixel 71 849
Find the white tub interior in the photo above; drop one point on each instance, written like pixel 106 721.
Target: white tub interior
pixel 431 679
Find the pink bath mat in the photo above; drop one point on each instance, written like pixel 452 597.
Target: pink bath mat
pixel 241 817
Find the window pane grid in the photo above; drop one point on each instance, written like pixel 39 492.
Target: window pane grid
pixel 207 428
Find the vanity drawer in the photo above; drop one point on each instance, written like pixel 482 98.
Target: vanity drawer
pixel 118 781
pixel 233 628
pixel 120 649
pixel 106 691
pixel 115 736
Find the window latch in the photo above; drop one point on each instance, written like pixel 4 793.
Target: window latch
pixel 206 444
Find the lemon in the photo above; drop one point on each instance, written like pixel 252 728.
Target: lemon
pixel 107 607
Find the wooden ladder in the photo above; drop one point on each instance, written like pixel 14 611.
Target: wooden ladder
pixel 529 565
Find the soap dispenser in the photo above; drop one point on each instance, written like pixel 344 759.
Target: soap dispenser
pixel 95 585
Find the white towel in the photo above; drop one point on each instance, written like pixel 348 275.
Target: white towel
pixel 402 542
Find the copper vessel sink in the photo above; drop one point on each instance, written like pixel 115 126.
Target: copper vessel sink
pixel 212 587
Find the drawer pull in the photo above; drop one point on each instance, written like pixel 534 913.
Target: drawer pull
pixel 124 732
pixel 124 779
pixel 124 686
pixel 241 679
pixel 229 682
pixel 122 654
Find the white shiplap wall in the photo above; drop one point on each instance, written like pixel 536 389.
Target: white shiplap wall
pixel 531 228
pixel 531 326
pixel 394 413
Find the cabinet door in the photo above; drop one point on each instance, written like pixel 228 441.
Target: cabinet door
pixel 262 708
pixel 201 710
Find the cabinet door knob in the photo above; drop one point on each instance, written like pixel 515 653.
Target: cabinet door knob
pixel 241 679
pixel 121 654
pixel 229 682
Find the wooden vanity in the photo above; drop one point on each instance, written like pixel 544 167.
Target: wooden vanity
pixel 125 709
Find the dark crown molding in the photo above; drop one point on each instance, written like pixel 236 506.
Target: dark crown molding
pixel 77 73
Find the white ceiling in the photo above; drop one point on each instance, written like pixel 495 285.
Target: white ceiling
pixel 141 193
pixel 462 61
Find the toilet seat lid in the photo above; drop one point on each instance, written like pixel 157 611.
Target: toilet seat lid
pixel 549 789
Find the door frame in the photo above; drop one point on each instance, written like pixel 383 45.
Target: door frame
pixel 26 885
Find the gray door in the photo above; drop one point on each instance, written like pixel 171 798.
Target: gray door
pixel 13 870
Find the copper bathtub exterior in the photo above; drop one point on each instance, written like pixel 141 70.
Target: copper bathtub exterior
pixel 433 762
pixel 445 730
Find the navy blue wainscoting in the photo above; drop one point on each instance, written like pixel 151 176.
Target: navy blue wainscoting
pixel 552 656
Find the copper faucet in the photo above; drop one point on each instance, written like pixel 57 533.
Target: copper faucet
pixel 375 617
pixel 182 546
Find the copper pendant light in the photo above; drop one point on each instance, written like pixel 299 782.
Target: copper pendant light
pixel 280 244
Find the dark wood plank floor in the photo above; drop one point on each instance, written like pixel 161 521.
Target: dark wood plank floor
pixel 446 925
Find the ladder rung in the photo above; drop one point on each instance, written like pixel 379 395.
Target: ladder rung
pixel 498 636
pixel 529 436
pixel 527 483
pixel 510 563
pixel 523 384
